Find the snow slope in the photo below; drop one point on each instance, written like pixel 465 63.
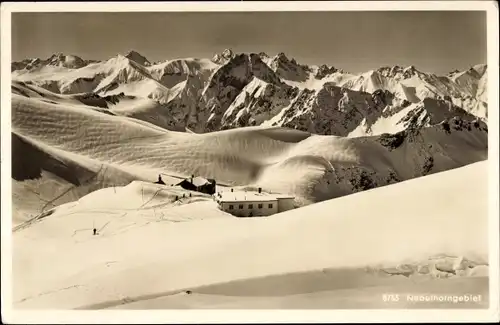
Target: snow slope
pixel 44 177
pixel 330 294
pixel 309 166
pixel 145 251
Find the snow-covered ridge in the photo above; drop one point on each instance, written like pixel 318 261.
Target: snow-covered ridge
pixel 323 167
pixel 214 94
pixel 56 60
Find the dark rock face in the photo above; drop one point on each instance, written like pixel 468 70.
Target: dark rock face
pixel 363 181
pixel 393 178
pixel 446 127
pixel 382 97
pixel 460 124
pixel 429 163
pixel 92 99
pixel 405 103
pixel 137 57
pixel 324 71
pixel 392 141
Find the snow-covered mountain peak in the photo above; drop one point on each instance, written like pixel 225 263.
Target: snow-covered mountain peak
pixel 452 73
pixel 227 53
pixel 118 61
pixel 289 69
pixel 121 61
pixel 264 55
pixel 24 64
pixel 223 57
pixel 56 55
pixel 398 72
pixel 266 58
pixel 480 69
pixel 55 60
pixel 282 60
pixel 476 72
pixel 67 61
pixel 281 57
pixel 325 70
pixel 137 57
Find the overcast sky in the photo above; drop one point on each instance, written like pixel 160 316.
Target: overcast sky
pixel 435 42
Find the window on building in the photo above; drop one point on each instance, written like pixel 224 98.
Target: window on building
pixel 250 206
pixel 260 205
pixel 231 207
pixel 270 205
pixel 241 206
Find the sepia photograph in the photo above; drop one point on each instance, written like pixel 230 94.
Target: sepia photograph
pixel 240 157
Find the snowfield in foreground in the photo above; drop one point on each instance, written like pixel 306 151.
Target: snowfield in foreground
pixel 426 235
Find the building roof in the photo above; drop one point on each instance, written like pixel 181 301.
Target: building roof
pixel 197 181
pixel 284 196
pixel 250 196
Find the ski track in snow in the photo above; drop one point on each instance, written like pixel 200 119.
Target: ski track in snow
pixel 142 245
pixel 90 138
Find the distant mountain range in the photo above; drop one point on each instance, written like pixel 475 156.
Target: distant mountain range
pixel 249 89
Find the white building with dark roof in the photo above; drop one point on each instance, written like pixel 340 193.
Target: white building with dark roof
pixel 253 204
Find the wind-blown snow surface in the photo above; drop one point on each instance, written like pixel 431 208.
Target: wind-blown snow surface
pixel 150 247
pixel 64 149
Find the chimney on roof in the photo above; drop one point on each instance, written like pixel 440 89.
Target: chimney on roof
pixel 231 190
pixel 260 189
pixel 192 177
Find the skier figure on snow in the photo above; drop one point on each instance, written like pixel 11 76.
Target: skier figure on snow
pixel 160 181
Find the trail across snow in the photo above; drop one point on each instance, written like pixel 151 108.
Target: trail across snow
pixel 311 167
pixel 141 254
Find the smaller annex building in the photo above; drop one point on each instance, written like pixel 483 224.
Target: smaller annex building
pixel 252 203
